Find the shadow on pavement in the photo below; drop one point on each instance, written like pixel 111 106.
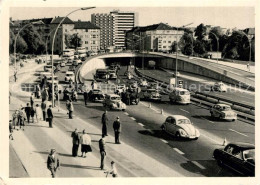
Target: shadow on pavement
pixel 79 166
pixel 60 154
pixel 35 125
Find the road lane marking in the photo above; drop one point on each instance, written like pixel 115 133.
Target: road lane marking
pixel 152 132
pixel 126 113
pixel 133 118
pixel 178 151
pixel 185 110
pixel 141 124
pixel 207 119
pixel 164 141
pixel 198 165
pixel 238 132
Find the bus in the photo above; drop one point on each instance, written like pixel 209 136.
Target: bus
pixel 180 95
pixel 68 53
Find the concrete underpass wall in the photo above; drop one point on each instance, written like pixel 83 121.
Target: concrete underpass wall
pixel 169 63
pixel 89 67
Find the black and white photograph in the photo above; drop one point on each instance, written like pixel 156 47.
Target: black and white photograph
pixel 130 91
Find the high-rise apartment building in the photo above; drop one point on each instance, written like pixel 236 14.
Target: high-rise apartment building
pixel 113 27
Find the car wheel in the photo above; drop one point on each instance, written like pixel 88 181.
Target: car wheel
pixel 196 138
pixel 123 109
pixel 233 120
pixel 110 107
pixel 177 135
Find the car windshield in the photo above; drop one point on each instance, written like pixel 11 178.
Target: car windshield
pixel 183 121
pixel 96 91
pixel 115 98
pixel 249 154
pixel 69 74
pixel 184 93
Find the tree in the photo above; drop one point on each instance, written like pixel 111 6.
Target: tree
pixel 186 43
pixel 174 47
pixel 33 39
pixel 73 41
pixel 200 32
pixel 214 35
pixel 21 45
pixel 200 47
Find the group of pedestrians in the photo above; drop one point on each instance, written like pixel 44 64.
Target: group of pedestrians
pixel 80 139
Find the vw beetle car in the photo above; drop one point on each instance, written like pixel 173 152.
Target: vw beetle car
pixel 180 127
pixel 96 95
pixel 223 111
pixel 113 101
pixel 239 157
pixel 219 86
pixel 152 94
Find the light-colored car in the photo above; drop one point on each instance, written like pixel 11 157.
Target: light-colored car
pixel 120 88
pixel 219 86
pixel 143 83
pixel 47 68
pixel 223 111
pixel 152 94
pixel 113 101
pixel 112 74
pixel 180 127
pixel 63 64
pixel 180 95
pixel 69 75
pixel 76 62
pixel 55 79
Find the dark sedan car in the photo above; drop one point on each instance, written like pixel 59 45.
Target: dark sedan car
pixel 96 95
pixel 239 157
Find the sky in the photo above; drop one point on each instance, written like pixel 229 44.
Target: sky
pixel 226 17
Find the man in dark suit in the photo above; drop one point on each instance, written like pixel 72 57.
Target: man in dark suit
pixel 102 149
pixel 75 141
pixel 117 130
pixel 85 94
pixel 43 107
pixel 27 111
pixel 53 162
pixel 104 123
pixel 50 116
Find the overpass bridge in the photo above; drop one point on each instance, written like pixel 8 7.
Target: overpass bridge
pixel 197 66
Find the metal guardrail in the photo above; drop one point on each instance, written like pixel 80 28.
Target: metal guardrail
pixel 242 113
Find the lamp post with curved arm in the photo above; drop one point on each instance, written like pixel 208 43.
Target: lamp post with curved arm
pixel 15 41
pixel 53 40
pixel 217 41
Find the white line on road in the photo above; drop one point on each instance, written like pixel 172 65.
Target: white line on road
pixel 178 151
pixel 141 124
pixel 199 165
pixel 133 118
pixel 152 132
pixel 238 132
pixel 185 110
pixel 126 113
pixel 164 141
pixel 207 119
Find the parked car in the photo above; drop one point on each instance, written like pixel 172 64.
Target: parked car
pixel 69 76
pixel 223 111
pixel 113 101
pixel 152 94
pixel 180 127
pixel 96 95
pixel 219 86
pixel 239 157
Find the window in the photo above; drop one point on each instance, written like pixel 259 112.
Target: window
pixel 169 41
pixel 86 42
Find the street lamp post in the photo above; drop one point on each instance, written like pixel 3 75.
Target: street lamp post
pixel 217 42
pixel 15 41
pixel 176 64
pixel 249 41
pixel 53 39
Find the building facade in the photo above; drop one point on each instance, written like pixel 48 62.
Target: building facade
pixel 113 27
pixel 157 37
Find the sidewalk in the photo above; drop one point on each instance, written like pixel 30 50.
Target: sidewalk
pixel 33 145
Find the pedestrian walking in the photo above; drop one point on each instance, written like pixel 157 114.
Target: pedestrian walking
pixel 50 116
pixel 102 149
pixel 70 108
pixel 38 91
pixel 33 110
pixel 32 99
pixel 248 66
pixel 15 75
pixel 11 130
pixel 45 95
pixel 85 95
pixel 104 123
pixel 37 113
pixel 74 95
pixel 43 107
pixel 21 119
pixel 53 162
pixel 15 117
pixel 85 141
pixel 117 130
pixel 27 111
pixel 75 141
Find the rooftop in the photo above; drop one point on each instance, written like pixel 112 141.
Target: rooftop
pixel 85 25
pixel 57 20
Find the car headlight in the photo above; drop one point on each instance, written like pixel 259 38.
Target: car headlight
pixel 183 133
